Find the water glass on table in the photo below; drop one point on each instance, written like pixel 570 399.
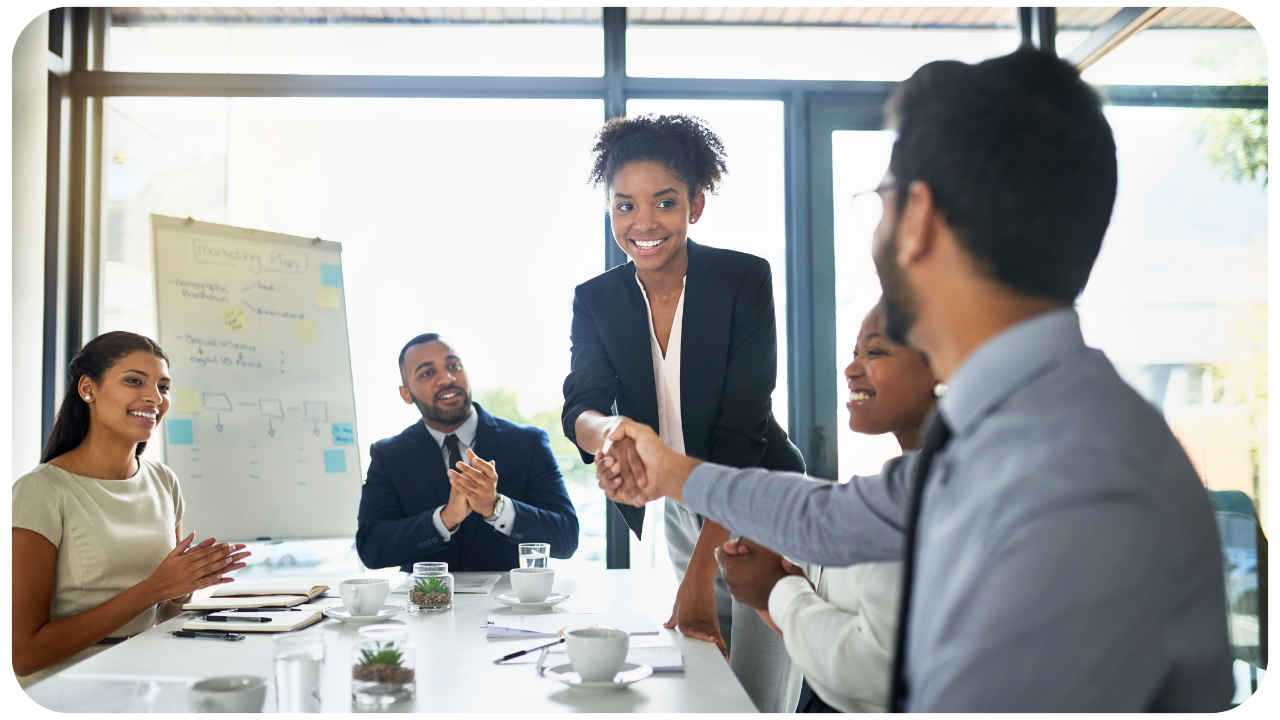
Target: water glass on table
pixel 534 555
pixel 299 660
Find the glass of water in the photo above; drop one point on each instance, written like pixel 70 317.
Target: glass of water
pixel 534 555
pixel 299 659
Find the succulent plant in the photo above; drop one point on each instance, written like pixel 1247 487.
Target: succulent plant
pixel 383 654
pixel 432 586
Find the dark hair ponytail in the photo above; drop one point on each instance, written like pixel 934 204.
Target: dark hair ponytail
pixel 94 359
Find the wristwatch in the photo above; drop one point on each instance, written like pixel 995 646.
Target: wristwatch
pixel 498 506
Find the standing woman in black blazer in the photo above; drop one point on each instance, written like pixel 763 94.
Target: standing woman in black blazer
pixel 682 339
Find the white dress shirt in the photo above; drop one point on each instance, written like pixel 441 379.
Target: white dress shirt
pixel 842 635
pixel 666 375
pixel 466 433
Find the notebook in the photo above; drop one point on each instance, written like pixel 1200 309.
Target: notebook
pixel 529 626
pixel 258 593
pixel 280 621
pixel 653 650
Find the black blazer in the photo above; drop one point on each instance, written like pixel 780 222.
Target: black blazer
pixel 728 361
pixel 407 482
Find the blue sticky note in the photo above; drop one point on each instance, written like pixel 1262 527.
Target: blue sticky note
pixel 180 433
pixel 344 434
pixel 331 275
pixel 335 461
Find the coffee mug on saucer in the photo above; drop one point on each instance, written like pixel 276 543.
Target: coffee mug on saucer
pixel 597 654
pixel 532 584
pixel 231 694
pixel 364 596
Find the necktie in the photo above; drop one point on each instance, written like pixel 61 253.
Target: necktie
pixel 935 438
pixel 451 450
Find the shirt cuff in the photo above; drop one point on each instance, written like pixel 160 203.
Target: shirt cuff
pixel 505 522
pixel 440 528
pixel 785 592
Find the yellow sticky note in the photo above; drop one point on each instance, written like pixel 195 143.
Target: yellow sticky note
pixel 185 400
pixel 305 331
pixel 326 297
pixel 233 319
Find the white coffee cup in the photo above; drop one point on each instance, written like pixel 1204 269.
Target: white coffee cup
pixel 231 694
pixel 597 654
pixel 532 584
pixel 364 596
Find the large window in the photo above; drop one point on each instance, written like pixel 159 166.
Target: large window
pixel 471 218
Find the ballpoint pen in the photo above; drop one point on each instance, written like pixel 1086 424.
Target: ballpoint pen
pixel 257 610
pixel 505 658
pixel 206 635
pixel 232 618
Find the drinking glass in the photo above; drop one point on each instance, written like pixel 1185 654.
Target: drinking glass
pixel 534 555
pixel 299 660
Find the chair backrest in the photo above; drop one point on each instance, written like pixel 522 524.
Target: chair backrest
pixel 1244 558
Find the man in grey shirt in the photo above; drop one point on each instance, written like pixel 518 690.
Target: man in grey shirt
pixel 1066 557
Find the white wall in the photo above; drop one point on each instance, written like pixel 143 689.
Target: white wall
pixel 30 121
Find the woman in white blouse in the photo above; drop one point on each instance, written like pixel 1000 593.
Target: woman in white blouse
pixel 841 633
pixel 98 551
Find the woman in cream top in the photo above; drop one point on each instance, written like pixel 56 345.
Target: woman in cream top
pixel 97 531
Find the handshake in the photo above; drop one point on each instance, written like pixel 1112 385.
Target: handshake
pixel 634 466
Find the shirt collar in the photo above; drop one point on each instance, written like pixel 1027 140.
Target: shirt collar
pixel 466 432
pixel 1005 363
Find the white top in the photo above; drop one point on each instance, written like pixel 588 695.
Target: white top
pixel 110 534
pixel 842 635
pixel 666 375
pixel 466 433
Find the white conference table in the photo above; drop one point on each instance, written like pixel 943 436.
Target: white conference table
pixel 455 670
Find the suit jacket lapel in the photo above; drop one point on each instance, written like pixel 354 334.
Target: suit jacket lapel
pixel 437 483
pixel 486 443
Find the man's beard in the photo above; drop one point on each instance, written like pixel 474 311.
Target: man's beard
pixel 444 417
pixel 897 306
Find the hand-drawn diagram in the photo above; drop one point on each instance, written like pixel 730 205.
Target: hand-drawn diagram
pixel 271 408
pixel 315 411
pixel 217 401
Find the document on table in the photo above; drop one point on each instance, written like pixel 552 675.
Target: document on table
pixel 515 626
pixel 476 584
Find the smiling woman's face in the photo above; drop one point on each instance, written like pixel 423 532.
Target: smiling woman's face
pixel 890 386
pixel 131 398
pixel 650 211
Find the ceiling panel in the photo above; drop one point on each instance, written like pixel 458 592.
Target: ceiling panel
pixel 897 17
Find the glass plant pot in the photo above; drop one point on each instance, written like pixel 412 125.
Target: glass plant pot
pixel 430 588
pixel 382 666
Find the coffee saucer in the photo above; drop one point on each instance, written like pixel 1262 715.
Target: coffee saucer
pixel 629 673
pixel 511 601
pixel 343 614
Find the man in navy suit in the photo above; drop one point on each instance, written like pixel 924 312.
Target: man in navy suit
pixel 430 495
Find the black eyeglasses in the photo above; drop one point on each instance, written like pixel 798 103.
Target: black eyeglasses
pixel 868 205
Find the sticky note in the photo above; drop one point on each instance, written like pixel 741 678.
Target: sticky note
pixel 327 297
pixel 331 275
pixel 305 331
pixel 233 319
pixel 186 400
pixel 335 461
pixel 344 434
pixel 180 433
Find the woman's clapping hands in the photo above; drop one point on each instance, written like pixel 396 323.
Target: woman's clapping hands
pixel 188 567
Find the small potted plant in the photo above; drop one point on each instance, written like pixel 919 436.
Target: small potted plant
pixel 432 589
pixel 382 666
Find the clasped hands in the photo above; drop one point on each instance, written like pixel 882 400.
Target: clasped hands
pixel 751 570
pixel 634 467
pixel 473 487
